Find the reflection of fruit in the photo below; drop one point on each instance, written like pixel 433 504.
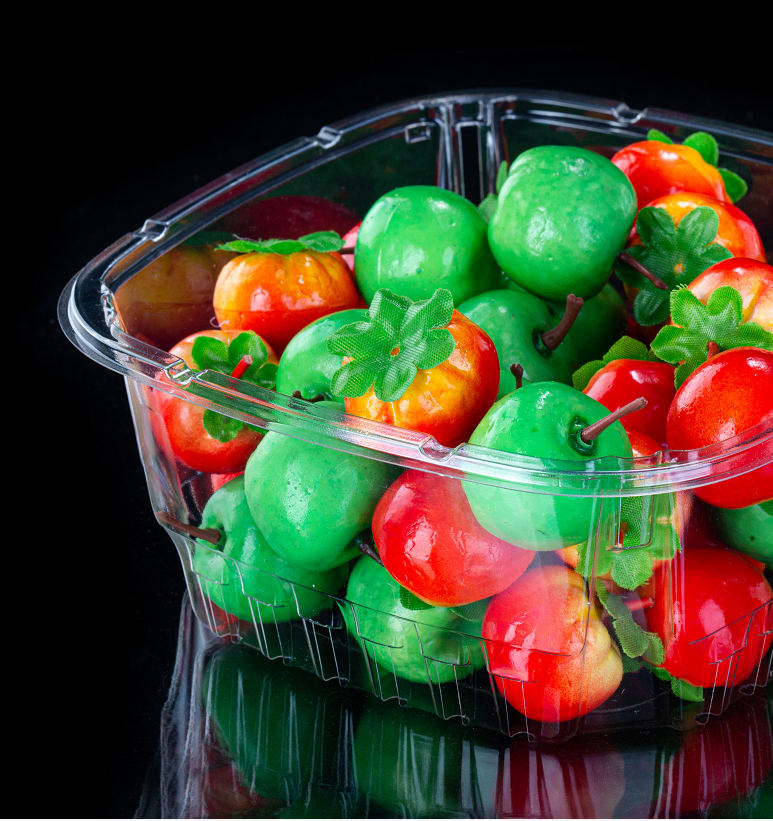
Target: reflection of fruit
pixel 171 297
pixel 712 612
pixel 550 655
pixel 748 529
pixel 624 380
pixel 310 501
pixel 420 238
pixel 276 295
pixel 521 423
pixel 562 217
pixel 418 645
pixel 656 169
pixel 725 396
pixel 431 543
pixel 245 577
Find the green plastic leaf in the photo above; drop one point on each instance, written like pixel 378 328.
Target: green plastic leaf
pixel 501 177
pixel 222 428
pixel 676 255
pixel 210 354
pixel 767 507
pixel 630 665
pixel 488 206
pixel 735 186
pixel 411 602
pixel 705 145
pixel 471 612
pixel 632 638
pixel 631 568
pixel 398 338
pixel 210 238
pixel 655 650
pixel 324 241
pixel 686 691
pixel 659 136
pixel 624 348
pixel 719 321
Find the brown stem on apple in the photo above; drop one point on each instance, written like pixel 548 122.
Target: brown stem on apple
pixel 712 348
pixel 554 337
pixel 625 257
pixel 208 534
pixel 241 366
pixel 368 548
pixel 348 250
pixel 516 369
pixel 320 397
pixel 593 431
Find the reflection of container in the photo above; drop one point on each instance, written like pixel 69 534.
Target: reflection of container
pixel 243 736
pixel 455 142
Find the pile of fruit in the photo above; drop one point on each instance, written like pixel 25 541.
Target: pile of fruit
pixel 590 309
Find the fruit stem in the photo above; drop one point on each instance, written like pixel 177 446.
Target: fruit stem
pixel 368 548
pixel 318 398
pixel 348 250
pixel 241 366
pixel 208 534
pixel 625 257
pixel 592 431
pixel 554 337
pixel 516 370
pixel 712 348
pixel 639 604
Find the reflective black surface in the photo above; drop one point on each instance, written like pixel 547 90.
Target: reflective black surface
pixel 96 585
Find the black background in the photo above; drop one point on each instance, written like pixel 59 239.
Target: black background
pixel 95 583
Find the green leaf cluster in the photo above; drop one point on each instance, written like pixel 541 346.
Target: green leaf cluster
pixel 399 337
pixel 625 348
pixel 708 148
pixel 720 321
pixel 634 641
pixel 411 602
pixel 215 355
pixel 676 255
pixel 680 688
pixel 323 241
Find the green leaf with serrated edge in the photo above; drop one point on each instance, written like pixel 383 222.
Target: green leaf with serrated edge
pixel 247 344
pixel 471 612
pixel 655 651
pixel 631 637
pixel 632 513
pixel 735 186
pixel 501 176
pixel 488 206
pixel 625 348
pixel 582 376
pixel 411 602
pixel 210 354
pixel 705 145
pixel 263 376
pixel 324 241
pixel 630 665
pixel 659 136
pixel 719 321
pixel 244 246
pixel 386 350
pixel 222 428
pixel 658 672
pixel 686 691
pixel 767 507
pixel 632 568
pixel 210 238
pixel 677 256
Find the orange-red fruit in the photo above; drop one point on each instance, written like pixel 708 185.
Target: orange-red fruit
pixel 736 231
pixel 551 657
pixel 712 613
pixel 725 396
pixel 430 541
pixel 752 279
pixel 276 295
pixel 656 169
pixel 448 401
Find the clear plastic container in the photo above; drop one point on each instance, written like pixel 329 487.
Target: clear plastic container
pixel 149 290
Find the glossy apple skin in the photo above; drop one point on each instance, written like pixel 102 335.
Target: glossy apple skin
pixel 544 661
pixel 171 297
pixel 189 441
pixel 448 401
pixel 752 279
pixel 656 169
pixel 430 542
pixel 711 611
pixel 276 295
pixel 289 216
pixel 736 231
pixel 725 396
pixel 749 529
pixel 623 380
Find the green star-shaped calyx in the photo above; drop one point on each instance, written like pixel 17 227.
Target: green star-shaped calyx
pixel 676 255
pixel 324 241
pixel 215 355
pixel 625 348
pixel 399 337
pixel 696 325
